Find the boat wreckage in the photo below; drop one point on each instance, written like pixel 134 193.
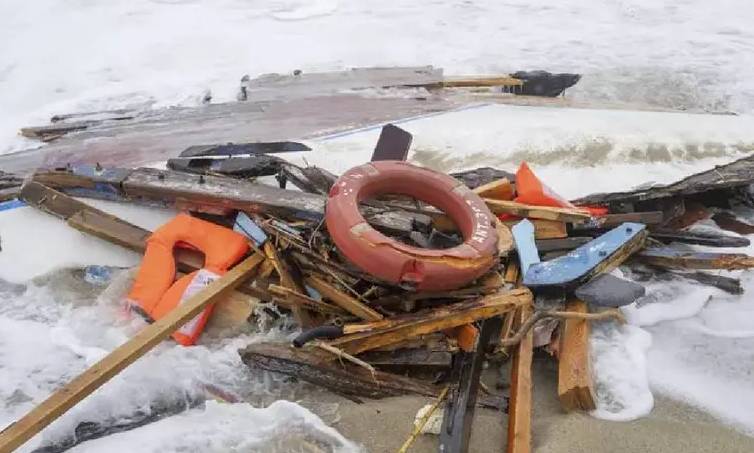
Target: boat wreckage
pixel 392 272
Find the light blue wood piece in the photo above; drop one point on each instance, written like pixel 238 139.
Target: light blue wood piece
pixel 570 269
pixel 523 238
pixel 250 229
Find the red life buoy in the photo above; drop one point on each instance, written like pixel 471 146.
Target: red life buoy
pixel 393 261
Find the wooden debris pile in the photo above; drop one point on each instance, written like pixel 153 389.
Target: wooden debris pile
pixel 365 338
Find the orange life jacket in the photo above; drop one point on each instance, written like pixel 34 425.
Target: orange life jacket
pixel 155 290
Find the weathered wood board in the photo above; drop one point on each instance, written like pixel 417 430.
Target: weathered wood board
pixel 318 367
pixel 692 260
pixel 279 108
pixel 735 174
pixel 575 383
pixel 202 193
pixel 398 328
pixel 520 405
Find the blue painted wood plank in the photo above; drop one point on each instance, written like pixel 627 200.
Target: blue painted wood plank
pixel 11 204
pixel 580 262
pixel 523 238
pixel 250 229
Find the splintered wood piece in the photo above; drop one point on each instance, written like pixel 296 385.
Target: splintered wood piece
pixel 646 217
pixel 476 81
pixel 544 229
pixel 690 260
pixel 575 385
pixel 730 222
pixel 512 274
pixel 291 299
pixel 205 193
pixel 536 212
pixel 287 281
pixel 502 189
pixel 504 238
pixel 735 174
pixel 343 300
pixel 363 337
pixel 466 335
pixel 90 380
pixel 421 359
pixel 519 406
pixel 318 367
pixel 692 213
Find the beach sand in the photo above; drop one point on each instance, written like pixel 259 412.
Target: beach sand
pixel 382 426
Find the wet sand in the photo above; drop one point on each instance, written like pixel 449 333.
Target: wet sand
pixel 382 426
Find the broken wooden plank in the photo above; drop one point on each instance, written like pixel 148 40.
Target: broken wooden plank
pixel 203 193
pixel 363 337
pixel 735 174
pixel 288 281
pixel 472 82
pixel 520 402
pixel 502 189
pixel 343 300
pixel 602 254
pixel 90 380
pixel 575 383
pixel 646 217
pixel 393 144
pixel 727 284
pixel 710 239
pixel 536 212
pixel 9 193
pixel 403 360
pixel 459 408
pixel 544 229
pixel 504 238
pixel 91 220
pixel 318 367
pixel 692 212
pixel 691 260
pixel 728 221
pixel 289 299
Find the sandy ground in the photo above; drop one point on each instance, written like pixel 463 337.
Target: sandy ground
pixel 382 426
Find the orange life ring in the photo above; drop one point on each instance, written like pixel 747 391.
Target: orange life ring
pixel 155 290
pixel 393 261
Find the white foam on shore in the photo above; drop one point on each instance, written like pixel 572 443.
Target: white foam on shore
pixel 702 352
pixel 620 371
pixel 47 339
pixel 282 427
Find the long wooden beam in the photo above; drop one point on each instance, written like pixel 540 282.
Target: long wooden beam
pixel 536 212
pixel 343 300
pixel 575 384
pixel 87 382
pixel 691 260
pixel 396 329
pixel 91 220
pixel 203 193
pixel 519 406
